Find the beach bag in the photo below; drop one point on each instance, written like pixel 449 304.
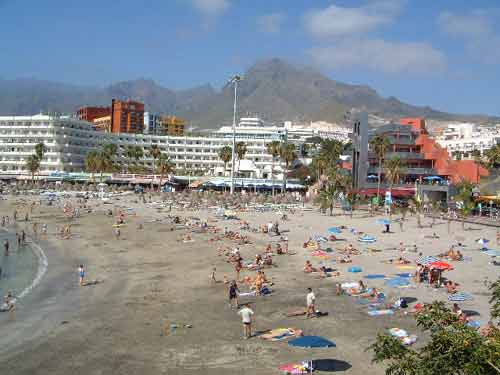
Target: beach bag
pixel 403 303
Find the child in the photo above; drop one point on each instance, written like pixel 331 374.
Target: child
pixel 212 277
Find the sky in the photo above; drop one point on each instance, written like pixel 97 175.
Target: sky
pixel 445 54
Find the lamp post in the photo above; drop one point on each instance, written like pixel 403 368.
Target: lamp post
pixel 235 80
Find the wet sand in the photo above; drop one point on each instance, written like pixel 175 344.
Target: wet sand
pixel 150 280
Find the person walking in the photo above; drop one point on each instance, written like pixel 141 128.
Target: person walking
pixel 311 303
pixel 246 314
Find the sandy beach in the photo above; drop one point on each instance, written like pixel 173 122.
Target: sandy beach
pixel 150 280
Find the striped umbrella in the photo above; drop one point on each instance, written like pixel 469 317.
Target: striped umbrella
pixel 319 238
pixel 460 297
pixel 426 260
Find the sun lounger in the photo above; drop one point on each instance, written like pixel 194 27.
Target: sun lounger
pixel 380 312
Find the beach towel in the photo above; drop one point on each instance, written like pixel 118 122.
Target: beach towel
pixel 407 275
pixel 319 253
pixel 354 269
pixel 474 324
pixel 293 368
pixel 460 297
pixel 374 276
pixel 247 294
pixel 380 312
pixel 349 285
pixel 398 332
pixel 405 267
pixel 280 334
pixel 492 253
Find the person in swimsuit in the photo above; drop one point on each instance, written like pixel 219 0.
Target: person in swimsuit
pixel 233 294
pixel 81 273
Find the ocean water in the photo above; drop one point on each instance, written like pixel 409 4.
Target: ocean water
pixel 19 268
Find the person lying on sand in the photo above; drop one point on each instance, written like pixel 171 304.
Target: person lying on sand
pixel 451 287
pixel 308 268
pixel 345 259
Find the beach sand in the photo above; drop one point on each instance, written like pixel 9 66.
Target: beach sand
pixel 149 280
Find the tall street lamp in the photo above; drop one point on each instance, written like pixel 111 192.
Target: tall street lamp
pixel 235 80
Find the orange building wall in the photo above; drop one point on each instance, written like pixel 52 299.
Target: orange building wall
pixel 91 113
pixel 127 116
pixel 456 170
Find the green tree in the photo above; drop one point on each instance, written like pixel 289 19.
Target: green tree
pixel 241 150
pixel 92 163
pixel 40 150
pixel 394 168
pixel 32 164
pixel 326 199
pixel 134 152
pixel 457 155
pixel 288 155
pixel 164 167
pixel 379 145
pixel 273 148
pixel 453 348
pixel 154 152
pixel 225 154
pixel 492 157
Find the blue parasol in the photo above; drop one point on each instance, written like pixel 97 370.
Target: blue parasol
pixel 314 342
pixel 334 230
pixel 372 176
pixel 397 282
pixel 433 178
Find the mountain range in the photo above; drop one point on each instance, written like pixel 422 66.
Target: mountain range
pixel 273 89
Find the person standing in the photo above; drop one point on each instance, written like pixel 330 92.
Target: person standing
pixel 6 247
pixel 246 314
pixel 311 303
pixel 233 294
pixel 81 274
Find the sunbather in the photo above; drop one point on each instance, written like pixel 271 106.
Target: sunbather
pixel 345 259
pixel 308 268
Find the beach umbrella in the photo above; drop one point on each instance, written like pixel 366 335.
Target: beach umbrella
pixel 440 265
pixel 426 260
pixel 433 178
pixel 482 241
pixel 319 238
pixel 334 230
pixel 383 221
pixel 367 238
pixel 460 297
pixel 312 342
pixel 372 176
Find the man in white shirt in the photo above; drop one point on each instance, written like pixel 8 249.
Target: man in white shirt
pixel 246 317
pixel 311 301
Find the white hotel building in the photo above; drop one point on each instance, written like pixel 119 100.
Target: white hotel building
pixel 68 140
pixel 467 137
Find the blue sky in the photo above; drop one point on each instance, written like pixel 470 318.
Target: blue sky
pixel 443 53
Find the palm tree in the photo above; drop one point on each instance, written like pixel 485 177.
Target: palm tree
pixel 92 163
pixel 288 155
pixel 40 150
pixel 273 148
pixel 225 154
pixel 154 152
pixel 164 167
pixel 457 155
pixel 32 165
pixel 134 152
pixel 241 150
pixel 492 157
pixel 110 150
pixel 331 149
pixel 394 168
pixel 379 145
pixel 326 199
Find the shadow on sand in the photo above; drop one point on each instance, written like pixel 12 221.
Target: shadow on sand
pixel 331 365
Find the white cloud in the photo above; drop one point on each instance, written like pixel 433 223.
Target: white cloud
pixel 380 55
pixel 336 21
pixel 476 29
pixel 271 23
pixel 211 8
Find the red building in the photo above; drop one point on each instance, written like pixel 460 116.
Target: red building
pixel 427 164
pixel 91 113
pixel 127 116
